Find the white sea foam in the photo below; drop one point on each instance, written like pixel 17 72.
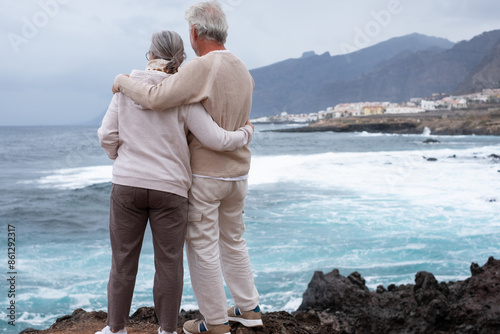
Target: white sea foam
pixel 189 306
pixel 293 304
pixel 48 293
pixel 285 300
pixel 74 178
pixel 368 172
pixel 348 265
pixel 371 134
pixel 31 293
pixel 82 300
pixel 469 178
pixel 37 319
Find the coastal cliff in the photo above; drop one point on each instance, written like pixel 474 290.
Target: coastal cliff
pixel 335 304
pixel 478 121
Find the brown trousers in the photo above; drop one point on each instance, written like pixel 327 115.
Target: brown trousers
pixel 129 213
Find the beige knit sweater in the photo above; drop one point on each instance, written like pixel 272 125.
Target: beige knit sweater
pixel 150 148
pixel 222 83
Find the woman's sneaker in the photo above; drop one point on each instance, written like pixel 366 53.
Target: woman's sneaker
pixel 107 330
pixel 160 331
pixel 251 318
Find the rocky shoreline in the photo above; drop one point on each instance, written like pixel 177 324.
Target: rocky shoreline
pixel 478 121
pixel 335 304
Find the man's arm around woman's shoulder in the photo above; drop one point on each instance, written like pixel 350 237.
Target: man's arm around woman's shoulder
pixel 187 86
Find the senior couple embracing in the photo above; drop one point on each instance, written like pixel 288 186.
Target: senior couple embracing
pixel 179 140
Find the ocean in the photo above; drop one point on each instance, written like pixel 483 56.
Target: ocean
pixel 372 203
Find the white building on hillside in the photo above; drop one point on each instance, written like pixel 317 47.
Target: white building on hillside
pixel 428 105
pixel 397 109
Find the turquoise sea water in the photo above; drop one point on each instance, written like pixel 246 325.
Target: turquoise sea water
pixel 357 202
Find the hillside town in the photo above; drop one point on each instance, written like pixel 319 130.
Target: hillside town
pixel 415 105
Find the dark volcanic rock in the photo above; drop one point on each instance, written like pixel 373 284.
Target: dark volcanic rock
pixel 331 290
pixel 397 127
pixel 470 306
pixel 431 141
pixel 335 304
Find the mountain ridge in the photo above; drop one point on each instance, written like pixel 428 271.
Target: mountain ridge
pixel 396 70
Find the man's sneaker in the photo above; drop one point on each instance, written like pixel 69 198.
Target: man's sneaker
pixel 199 326
pixel 107 330
pixel 251 318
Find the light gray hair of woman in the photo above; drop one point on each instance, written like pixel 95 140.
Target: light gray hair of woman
pixel 209 20
pixel 168 45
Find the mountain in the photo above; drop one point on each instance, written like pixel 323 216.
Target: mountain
pixel 485 75
pixel 396 70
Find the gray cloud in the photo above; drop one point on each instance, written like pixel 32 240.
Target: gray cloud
pixel 58 58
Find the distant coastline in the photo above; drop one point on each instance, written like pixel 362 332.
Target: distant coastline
pixel 478 120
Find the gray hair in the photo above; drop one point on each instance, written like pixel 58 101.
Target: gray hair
pixel 168 45
pixel 209 20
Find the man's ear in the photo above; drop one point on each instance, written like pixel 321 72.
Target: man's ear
pixel 194 33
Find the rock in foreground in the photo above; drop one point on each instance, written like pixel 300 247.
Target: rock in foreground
pixel 470 306
pixel 335 304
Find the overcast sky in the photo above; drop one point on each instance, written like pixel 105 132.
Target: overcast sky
pixel 58 58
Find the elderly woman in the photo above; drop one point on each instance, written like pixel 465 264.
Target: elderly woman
pixel 151 179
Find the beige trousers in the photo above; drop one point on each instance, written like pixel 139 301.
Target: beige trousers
pixel 215 248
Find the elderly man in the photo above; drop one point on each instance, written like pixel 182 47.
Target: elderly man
pixel 214 243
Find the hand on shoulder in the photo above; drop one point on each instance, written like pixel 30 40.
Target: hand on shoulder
pixel 115 89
